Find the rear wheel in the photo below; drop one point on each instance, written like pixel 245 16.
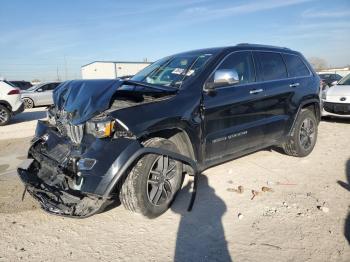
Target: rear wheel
pixel 304 137
pixel 28 103
pixel 5 115
pixel 153 182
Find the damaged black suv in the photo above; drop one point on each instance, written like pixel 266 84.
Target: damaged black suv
pixel 133 140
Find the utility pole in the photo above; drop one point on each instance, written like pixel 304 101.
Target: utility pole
pixel 65 68
pixel 58 74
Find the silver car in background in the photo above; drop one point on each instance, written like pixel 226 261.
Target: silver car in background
pixel 39 95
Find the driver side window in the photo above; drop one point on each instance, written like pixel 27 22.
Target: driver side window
pixel 242 63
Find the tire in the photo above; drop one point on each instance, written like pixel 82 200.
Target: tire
pixel 304 135
pixel 142 188
pixel 5 115
pixel 28 103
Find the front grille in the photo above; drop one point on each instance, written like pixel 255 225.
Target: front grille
pixel 74 132
pixel 337 108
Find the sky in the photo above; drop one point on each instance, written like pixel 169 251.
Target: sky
pixel 43 39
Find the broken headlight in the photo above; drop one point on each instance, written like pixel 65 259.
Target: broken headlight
pixel 100 128
pixel 107 127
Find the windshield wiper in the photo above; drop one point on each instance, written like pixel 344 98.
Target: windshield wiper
pixel 162 88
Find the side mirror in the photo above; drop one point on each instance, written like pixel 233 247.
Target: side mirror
pixel 334 83
pixel 223 77
pixel 39 90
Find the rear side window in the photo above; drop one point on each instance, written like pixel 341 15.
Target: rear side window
pixel 242 62
pixel 272 66
pixel 295 66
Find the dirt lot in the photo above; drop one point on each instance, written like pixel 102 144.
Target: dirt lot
pixel 303 219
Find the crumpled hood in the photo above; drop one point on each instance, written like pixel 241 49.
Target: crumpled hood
pixel 83 99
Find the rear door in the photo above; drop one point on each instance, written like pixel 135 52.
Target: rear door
pixel 278 94
pixel 233 115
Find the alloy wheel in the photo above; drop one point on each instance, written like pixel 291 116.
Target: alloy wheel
pixel 28 103
pixel 161 180
pixel 307 133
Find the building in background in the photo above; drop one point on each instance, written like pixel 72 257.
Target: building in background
pixel 340 71
pixel 111 69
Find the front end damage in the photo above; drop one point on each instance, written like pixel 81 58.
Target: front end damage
pixel 68 171
pixel 77 160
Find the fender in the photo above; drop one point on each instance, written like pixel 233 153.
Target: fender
pixel 301 106
pixel 157 151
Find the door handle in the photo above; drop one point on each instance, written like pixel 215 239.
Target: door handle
pixel 294 85
pixel 255 91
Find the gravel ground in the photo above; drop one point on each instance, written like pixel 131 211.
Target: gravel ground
pixel 301 216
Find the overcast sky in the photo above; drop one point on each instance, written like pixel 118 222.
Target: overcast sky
pixel 39 37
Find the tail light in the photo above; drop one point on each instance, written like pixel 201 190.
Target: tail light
pixel 14 92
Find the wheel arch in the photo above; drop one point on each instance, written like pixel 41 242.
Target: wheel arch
pixel 178 136
pixel 312 104
pixel 6 104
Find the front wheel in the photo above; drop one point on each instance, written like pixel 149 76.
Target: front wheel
pixel 153 182
pixel 304 137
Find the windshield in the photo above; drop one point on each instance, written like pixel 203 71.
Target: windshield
pixel 344 80
pixel 172 71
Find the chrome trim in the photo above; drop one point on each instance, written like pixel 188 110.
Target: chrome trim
pixel 256 91
pixel 294 85
pixel 256 71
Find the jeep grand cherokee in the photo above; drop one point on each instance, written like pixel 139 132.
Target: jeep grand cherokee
pixel 133 140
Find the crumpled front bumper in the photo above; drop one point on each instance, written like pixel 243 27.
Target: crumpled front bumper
pixel 59 202
pixel 45 171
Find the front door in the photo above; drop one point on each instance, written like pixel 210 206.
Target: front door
pixel 234 114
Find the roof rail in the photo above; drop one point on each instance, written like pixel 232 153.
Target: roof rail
pixel 260 45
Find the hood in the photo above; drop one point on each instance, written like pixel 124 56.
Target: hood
pixel 83 99
pixel 339 90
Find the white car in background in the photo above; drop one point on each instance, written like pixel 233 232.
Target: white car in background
pixel 10 101
pixel 336 99
pixel 39 95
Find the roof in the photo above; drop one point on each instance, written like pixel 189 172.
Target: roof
pixel 238 46
pixel 117 62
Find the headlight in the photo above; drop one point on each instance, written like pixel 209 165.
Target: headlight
pixel 107 127
pixel 100 128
